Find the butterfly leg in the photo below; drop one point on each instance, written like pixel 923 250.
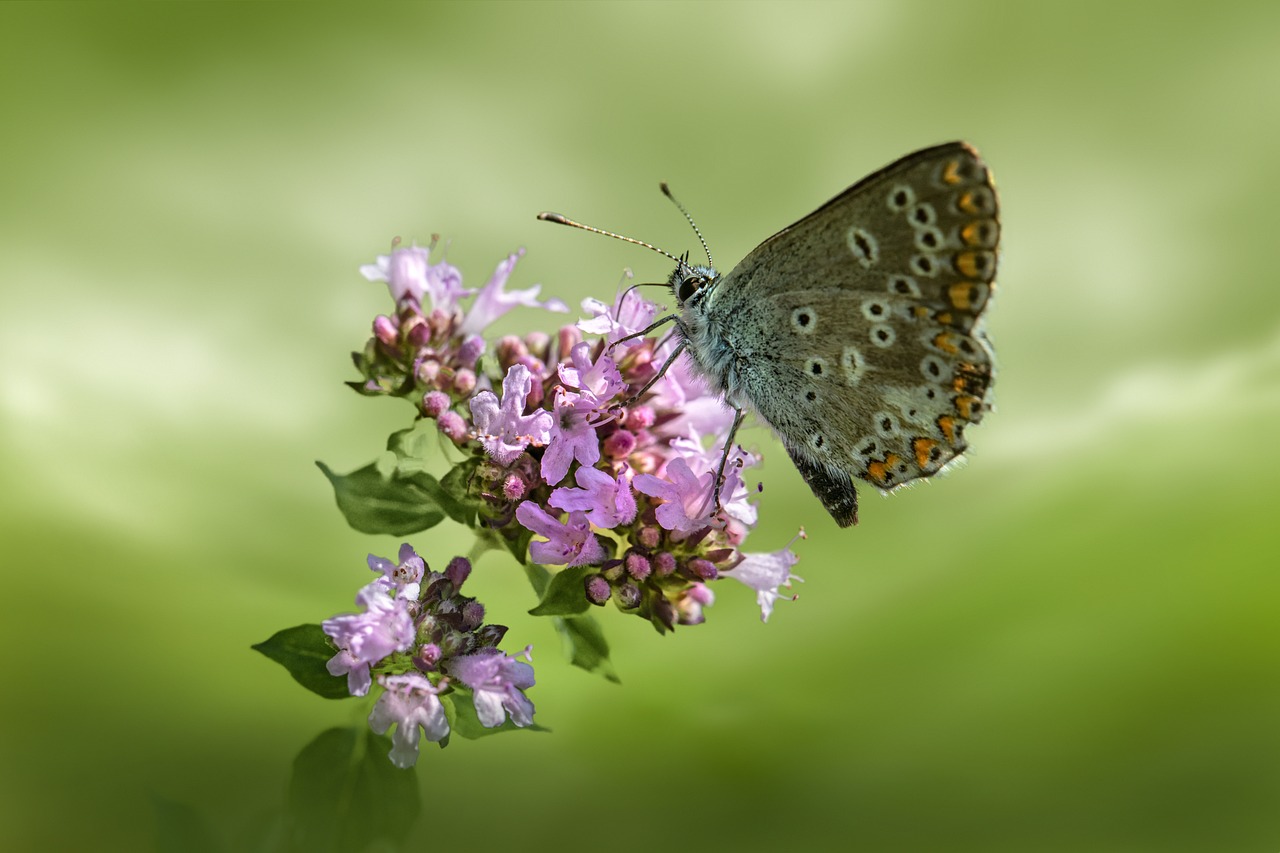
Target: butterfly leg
pixel 738 415
pixel 670 318
pixel 674 355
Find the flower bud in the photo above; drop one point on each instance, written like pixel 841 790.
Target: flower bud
pixel 435 403
pixel 439 321
pixel 597 589
pixel 491 635
pixel 427 657
pixel 537 342
pixel 415 331
pixel 385 330
pixel 458 570
pixel 470 351
pixel 472 615
pixel 620 444
pixel 649 537
pixel 510 350
pixel 664 564
pixel 514 487
pixel 641 417
pixel 464 381
pixel 568 338
pixel 637 566
pixel 427 371
pixel 702 569
pixel 453 426
pixel 628 596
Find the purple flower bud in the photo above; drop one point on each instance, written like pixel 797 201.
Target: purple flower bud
pixel 458 570
pixel 641 417
pixel 385 330
pixel 598 589
pixel 427 371
pixel 638 567
pixel 620 444
pixel 568 338
pixel 491 635
pixel 510 350
pixel 439 321
pixel 435 403
pixel 470 351
pixel 664 564
pixel 649 537
pixel 472 615
pixel 427 657
pixel 453 426
pixel 514 487
pixel 537 342
pixel 415 331
pixel 702 569
pixel 464 381
pixel 628 596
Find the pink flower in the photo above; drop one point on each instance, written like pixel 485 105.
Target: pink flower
pixel 493 300
pixel 570 543
pixel 366 638
pixel 630 313
pixel 409 702
pixel 572 436
pixel 504 429
pixel 607 502
pixel 765 573
pixel 600 381
pixel 497 683
pixel 687 504
pixel 409 277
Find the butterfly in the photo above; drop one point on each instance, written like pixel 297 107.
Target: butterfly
pixel 856 333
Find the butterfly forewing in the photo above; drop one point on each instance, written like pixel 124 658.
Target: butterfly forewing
pixel 876 359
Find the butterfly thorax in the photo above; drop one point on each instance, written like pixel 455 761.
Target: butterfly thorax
pixel 711 339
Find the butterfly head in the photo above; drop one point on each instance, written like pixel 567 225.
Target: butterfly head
pixel 691 283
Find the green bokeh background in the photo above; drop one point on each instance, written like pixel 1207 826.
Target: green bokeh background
pixel 1070 645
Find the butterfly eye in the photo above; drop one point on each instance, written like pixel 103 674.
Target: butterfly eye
pixel 689 285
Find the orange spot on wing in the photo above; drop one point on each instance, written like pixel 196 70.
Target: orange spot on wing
pixel 923 447
pixel 974 264
pixel 951 173
pixel 945 342
pixel 947 424
pixel 965 405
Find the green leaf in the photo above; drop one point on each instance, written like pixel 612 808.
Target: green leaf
pixel 585 646
pixel 565 595
pixel 416 442
pixel 455 493
pixel 182 829
pixel 304 651
pixel 539 577
pixel 346 795
pixel 460 708
pixel 395 505
pixel 518 544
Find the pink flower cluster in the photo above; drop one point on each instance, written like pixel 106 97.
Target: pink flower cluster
pixel 421 636
pixel 619 485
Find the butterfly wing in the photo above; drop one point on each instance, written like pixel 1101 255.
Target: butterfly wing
pixel 875 359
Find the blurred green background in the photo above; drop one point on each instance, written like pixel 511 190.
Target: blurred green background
pixel 1070 645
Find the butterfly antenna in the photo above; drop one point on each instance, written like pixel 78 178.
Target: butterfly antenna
pixel 666 190
pixel 564 220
